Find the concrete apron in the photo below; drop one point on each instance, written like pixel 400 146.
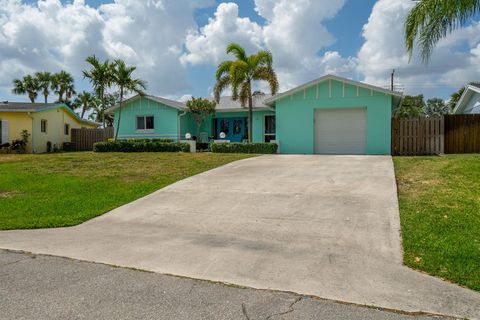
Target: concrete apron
pixel 326 226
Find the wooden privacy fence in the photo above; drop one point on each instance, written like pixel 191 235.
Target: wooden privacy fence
pixel 418 136
pixel 462 133
pixel 85 138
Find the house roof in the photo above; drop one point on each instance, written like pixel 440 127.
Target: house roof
pixel 226 104
pixel 470 90
pixel 271 101
pixel 171 103
pixel 7 106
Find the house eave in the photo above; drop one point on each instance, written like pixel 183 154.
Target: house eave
pixel 271 101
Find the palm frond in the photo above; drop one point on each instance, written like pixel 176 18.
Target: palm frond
pixel 221 85
pixel 267 74
pixel 431 20
pixel 223 68
pixel 237 50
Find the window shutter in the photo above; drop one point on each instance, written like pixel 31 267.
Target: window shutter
pixel 4 131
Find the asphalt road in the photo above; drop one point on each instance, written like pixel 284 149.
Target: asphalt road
pixel 45 287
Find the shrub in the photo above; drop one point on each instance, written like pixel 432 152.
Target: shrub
pixel 49 146
pixel 257 148
pixel 140 146
pixel 201 146
pixel 69 146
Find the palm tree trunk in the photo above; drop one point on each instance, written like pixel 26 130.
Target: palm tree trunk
pixel 46 97
pixel 32 98
pixel 83 112
pixel 119 114
pixel 102 99
pixel 250 112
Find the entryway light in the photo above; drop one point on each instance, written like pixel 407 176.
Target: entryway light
pixel 188 136
pixel 222 135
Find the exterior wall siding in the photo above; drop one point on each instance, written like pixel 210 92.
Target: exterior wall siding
pixel 17 122
pixel 295 115
pixel 166 120
pixel 189 125
pixel 56 119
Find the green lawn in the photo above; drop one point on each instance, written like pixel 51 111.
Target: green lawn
pixel 55 190
pixel 440 215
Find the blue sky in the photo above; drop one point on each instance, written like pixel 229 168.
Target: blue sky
pixel 176 44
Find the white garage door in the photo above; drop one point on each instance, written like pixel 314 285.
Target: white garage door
pixel 340 131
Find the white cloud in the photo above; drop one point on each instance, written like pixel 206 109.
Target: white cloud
pixel 293 32
pixel 207 45
pixel 49 35
pixel 384 49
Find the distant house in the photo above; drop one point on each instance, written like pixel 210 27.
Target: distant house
pixel 469 102
pixel 329 115
pixel 43 121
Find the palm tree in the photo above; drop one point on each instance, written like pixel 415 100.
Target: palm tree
pixel 84 100
pixel 63 84
pixel 431 20
pixel 28 85
pixel 101 77
pixel 45 80
pixel 239 75
pixel 122 78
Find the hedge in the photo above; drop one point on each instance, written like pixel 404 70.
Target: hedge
pixel 235 147
pixel 140 146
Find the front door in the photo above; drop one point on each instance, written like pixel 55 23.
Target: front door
pixel 234 128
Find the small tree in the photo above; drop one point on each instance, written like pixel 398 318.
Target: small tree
pixel 411 107
pixel 200 109
pixel 435 107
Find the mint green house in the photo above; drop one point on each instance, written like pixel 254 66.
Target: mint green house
pixel 329 115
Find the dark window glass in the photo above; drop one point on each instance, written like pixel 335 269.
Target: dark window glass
pixel 67 129
pixel 149 122
pixel 43 126
pixel 269 124
pixel 140 123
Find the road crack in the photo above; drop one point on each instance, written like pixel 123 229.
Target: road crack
pixel 290 309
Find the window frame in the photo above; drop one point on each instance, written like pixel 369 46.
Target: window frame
pixel 66 129
pixel 145 122
pixel 43 126
pixel 265 135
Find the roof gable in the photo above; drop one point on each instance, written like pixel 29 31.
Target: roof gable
pixel 171 103
pixel 470 92
pixel 271 101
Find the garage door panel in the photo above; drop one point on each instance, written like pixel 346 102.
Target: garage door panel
pixel 340 131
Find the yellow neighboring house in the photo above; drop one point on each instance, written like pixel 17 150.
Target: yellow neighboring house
pixel 44 121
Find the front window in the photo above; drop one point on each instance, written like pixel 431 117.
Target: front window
pixel 43 126
pixel 270 131
pixel 67 129
pixel 145 123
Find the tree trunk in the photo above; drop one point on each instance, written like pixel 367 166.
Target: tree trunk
pixel 102 99
pixel 45 94
pixel 83 112
pixel 32 97
pixel 250 112
pixel 119 114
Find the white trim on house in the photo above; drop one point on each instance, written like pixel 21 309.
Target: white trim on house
pixel 460 102
pixel 330 77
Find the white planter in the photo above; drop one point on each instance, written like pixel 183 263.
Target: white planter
pixel 192 143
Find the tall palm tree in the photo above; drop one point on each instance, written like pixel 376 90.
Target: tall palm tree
pixel 64 85
pixel 239 74
pixel 28 85
pixel 84 100
pixel 101 77
pixel 45 80
pixel 431 20
pixel 123 79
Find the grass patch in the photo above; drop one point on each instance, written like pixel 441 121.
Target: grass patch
pixel 58 190
pixel 439 200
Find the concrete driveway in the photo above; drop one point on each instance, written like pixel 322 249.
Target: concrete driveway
pixel 321 225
